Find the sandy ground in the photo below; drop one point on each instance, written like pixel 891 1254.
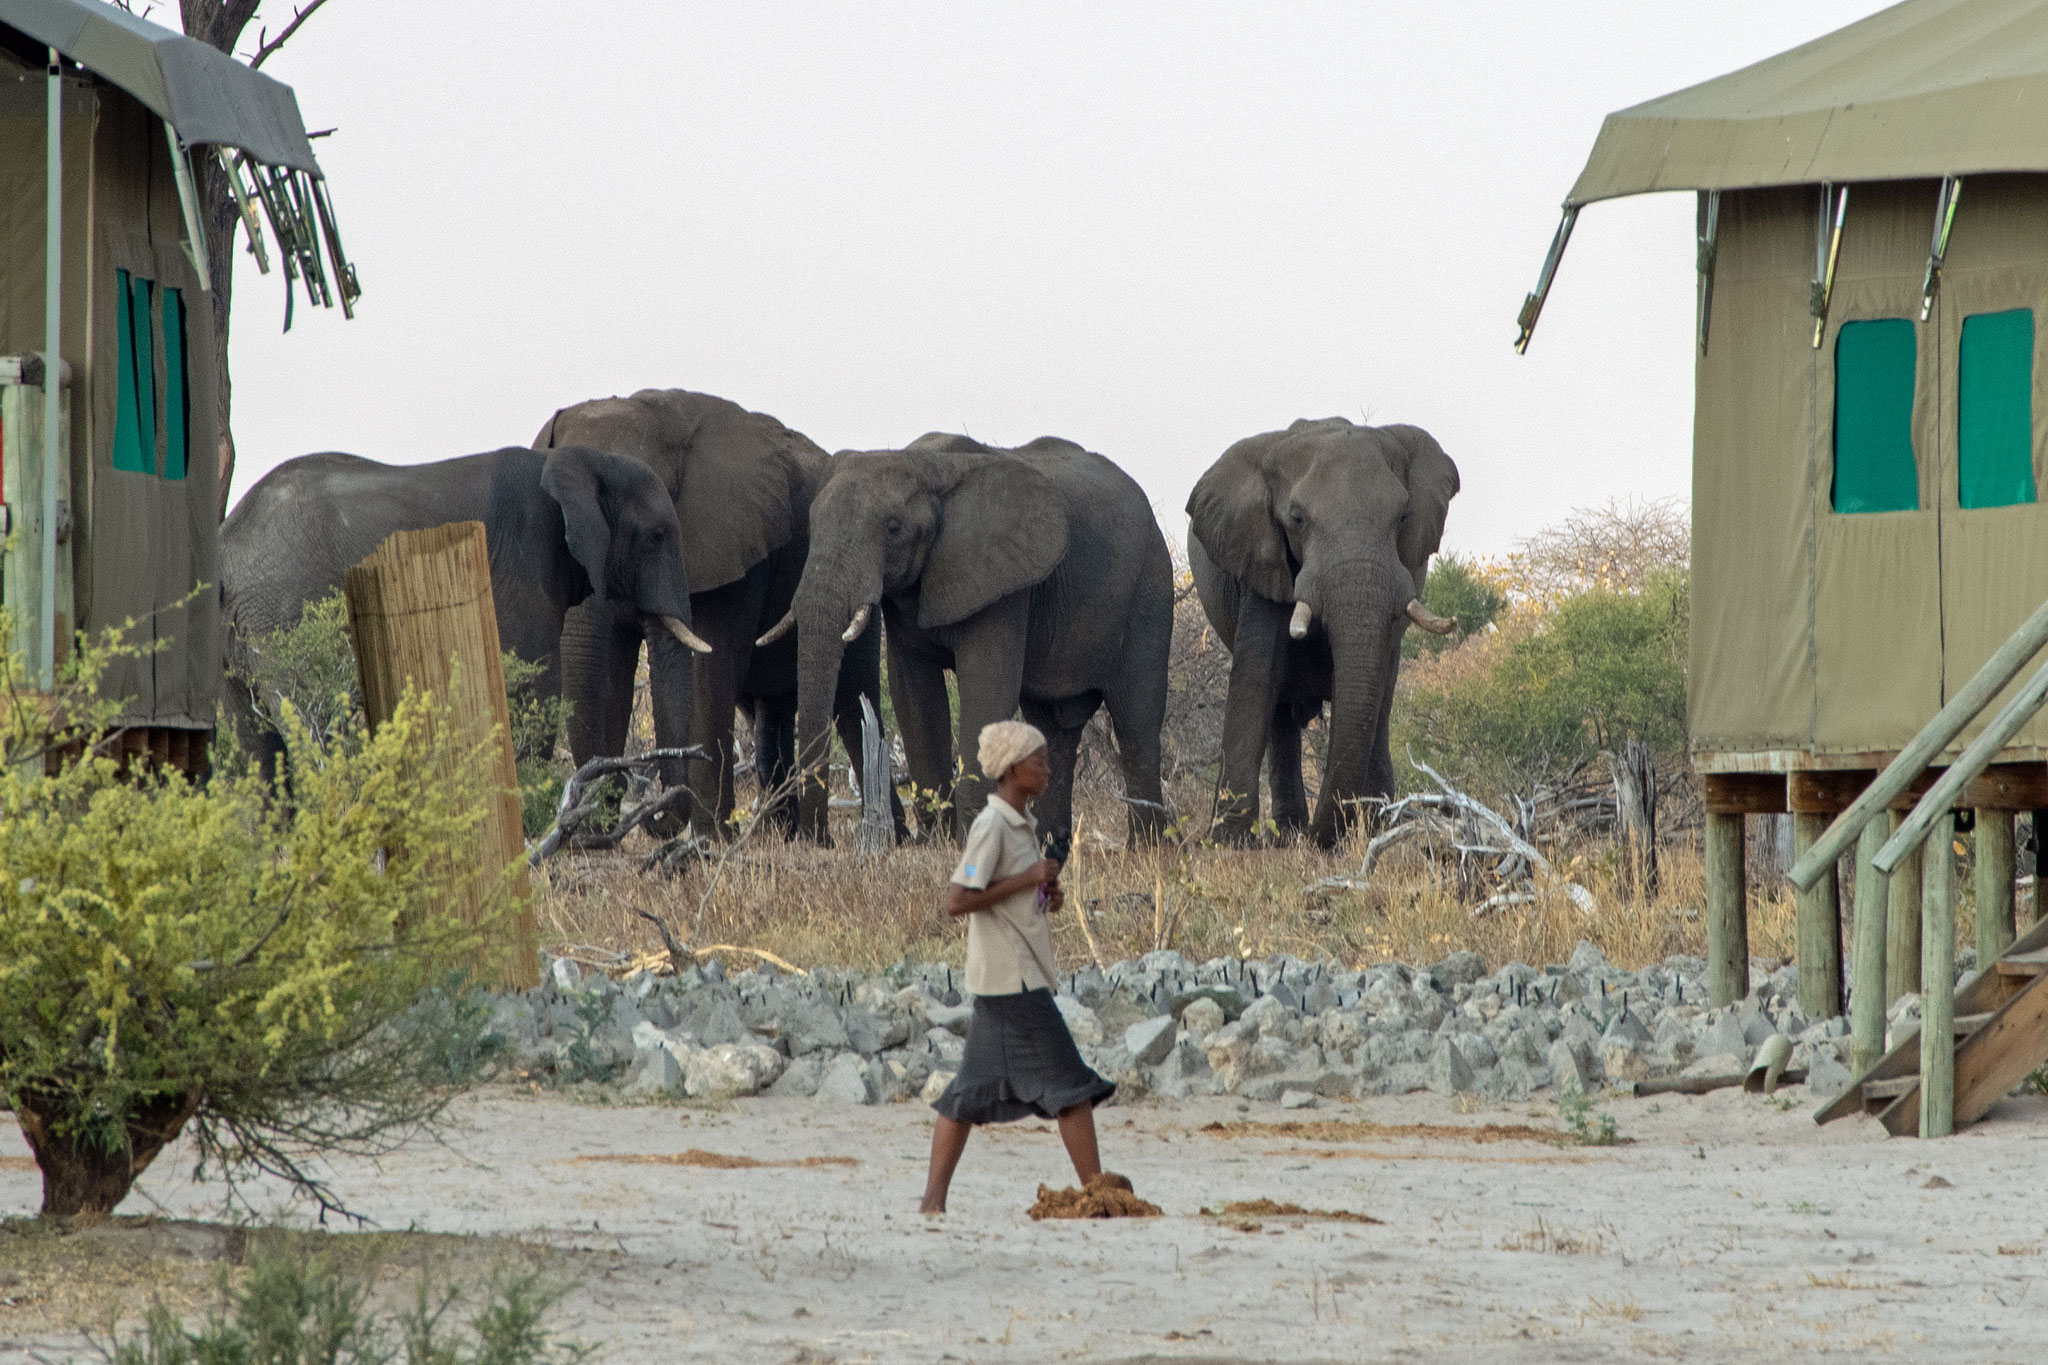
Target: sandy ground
pixel 1725 1227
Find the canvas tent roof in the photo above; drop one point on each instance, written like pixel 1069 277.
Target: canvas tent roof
pixel 208 96
pixel 1922 90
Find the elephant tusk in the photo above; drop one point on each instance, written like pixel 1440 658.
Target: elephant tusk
pixel 860 623
pixel 686 635
pixel 1429 620
pixel 778 630
pixel 1298 627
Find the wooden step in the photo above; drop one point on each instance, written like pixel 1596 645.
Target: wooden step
pixel 2023 964
pixel 1970 1023
pixel 1890 1088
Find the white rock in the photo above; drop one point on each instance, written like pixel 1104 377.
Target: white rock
pixel 845 1081
pixel 1567 1072
pixel 1624 1062
pixel 1150 1040
pixel 731 1069
pixel 953 1018
pixel 1082 1022
pixel 655 1072
pixel 935 1086
pixel 1298 1099
pixel 1449 1073
pixel 568 976
pixel 1202 1017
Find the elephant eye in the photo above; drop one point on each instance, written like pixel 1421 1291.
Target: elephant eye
pixel 895 527
pixel 1295 517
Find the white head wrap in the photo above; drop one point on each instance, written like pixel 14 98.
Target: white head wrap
pixel 1006 744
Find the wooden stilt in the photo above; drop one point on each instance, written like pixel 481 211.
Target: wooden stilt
pixel 1820 928
pixel 1873 918
pixel 1727 909
pixel 1994 885
pixel 1938 980
pixel 1902 942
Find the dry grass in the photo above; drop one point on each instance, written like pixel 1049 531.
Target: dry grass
pixel 817 906
pixel 1267 1208
pixel 1560 1241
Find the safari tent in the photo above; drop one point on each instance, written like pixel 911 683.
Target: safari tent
pixel 108 474
pixel 1870 449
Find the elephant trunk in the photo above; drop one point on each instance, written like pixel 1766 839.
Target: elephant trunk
pixel 1364 626
pixel 831 599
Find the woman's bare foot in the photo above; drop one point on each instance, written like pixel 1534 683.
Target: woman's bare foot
pixel 932 1210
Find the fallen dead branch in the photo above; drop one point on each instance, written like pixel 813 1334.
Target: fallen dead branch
pixel 710 1161
pixel 1424 814
pixel 645 799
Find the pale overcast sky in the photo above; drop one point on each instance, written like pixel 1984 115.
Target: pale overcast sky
pixel 1150 228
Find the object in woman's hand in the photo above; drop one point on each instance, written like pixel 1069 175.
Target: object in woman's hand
pixel 1057 844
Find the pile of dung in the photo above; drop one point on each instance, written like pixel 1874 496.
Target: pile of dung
pixel 1107 1195
pixel 1267 1208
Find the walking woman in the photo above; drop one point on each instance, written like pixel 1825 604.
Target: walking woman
pixel 1020 1059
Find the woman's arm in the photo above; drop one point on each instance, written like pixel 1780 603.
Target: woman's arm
pixel 962 900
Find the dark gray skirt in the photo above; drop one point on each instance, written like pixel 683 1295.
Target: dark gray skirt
pixel 1020 1062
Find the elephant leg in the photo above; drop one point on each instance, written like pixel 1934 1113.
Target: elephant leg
pixel 860 675
pixel 1137 710
pixel 600 651
pixel 1283 771
pixel 924 718
pixel 775 760
pixel 1055 809
pixel 726 618
pixel 1257 661
pixel 988 667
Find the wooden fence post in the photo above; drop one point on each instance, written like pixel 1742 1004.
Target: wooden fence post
pixel 1727 908
pixel 1995 926
pixel 1820 928
pixel 1938 980
pixel 1902 940
pixel 420 609
pixel 1873 917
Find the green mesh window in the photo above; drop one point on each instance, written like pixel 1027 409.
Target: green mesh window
pixel 1995 410
pixel 132 415
pixel 176 402
pixel 1874 470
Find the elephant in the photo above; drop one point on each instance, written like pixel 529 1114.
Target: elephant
pixel 1038 575
pixel 741 484
pixel 1309 548
pixel 561 525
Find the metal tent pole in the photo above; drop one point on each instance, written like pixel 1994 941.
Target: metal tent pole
pixel 53 365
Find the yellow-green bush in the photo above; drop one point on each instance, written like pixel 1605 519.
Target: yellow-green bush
pixel 265 974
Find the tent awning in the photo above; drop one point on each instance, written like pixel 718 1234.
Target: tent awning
pixel 208 96
pixel 1925 89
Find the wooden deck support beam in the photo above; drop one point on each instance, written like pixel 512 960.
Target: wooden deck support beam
pixel 1727 908
pixel 1902 939
pixel 1938 977
pixel 1873 918
pixel 1994 884
pixel 1819 928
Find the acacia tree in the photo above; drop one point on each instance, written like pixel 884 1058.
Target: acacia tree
pixel 220 24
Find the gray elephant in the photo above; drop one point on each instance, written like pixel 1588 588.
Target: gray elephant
pixel 1309 551
pixel 742 484
pixel 1037 575
pixel 560 525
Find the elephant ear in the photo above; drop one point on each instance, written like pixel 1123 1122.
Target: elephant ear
pixel 1432 480
pixel 1002 528
pixel 570 477
pixel 1231 513
pixel 742 481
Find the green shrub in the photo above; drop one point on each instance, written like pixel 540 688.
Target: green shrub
pixel 312 666
pixel 1602 668
pixel 299 1309
pixel 1453 590
pixel 258 973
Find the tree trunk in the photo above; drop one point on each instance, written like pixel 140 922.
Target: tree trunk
pixel 1635 799
pixel 82 1174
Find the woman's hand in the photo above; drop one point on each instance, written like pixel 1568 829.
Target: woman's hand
pixel 1055 897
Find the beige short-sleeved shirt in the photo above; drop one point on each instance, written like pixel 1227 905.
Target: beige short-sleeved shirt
pixel 1001 940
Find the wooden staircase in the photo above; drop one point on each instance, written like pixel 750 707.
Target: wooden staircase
pixel 2001 1037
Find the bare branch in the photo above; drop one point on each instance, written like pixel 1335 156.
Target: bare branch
pixel 264 43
